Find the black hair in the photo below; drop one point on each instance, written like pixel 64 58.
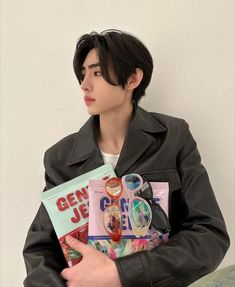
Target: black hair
pixel 119 50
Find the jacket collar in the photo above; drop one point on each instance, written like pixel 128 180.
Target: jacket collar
pixel 138 139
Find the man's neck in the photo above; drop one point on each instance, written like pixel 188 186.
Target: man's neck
pixel 113 130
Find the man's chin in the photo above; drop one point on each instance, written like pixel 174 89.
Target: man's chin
pixel 92 113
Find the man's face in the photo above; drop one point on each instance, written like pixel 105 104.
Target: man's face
pixel 101 97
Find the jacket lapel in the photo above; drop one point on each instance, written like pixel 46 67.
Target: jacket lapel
pixel 138 139
pixel 85 151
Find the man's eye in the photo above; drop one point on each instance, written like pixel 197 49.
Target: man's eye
pixel 97 73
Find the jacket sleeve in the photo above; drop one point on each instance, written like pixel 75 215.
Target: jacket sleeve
pixel 199 241
pixel 42 253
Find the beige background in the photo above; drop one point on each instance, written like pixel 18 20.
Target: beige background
pixel 192 43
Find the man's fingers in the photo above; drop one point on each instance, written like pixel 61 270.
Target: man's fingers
pixel 77 245
pixel 65 273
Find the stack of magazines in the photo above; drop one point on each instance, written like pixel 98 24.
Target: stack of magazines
pixel 76 208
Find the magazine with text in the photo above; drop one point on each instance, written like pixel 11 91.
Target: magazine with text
pixel 98 237
pixel 67 206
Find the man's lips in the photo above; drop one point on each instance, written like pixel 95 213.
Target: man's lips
pixel 89 100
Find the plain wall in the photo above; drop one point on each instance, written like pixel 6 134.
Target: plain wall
pixel 192 43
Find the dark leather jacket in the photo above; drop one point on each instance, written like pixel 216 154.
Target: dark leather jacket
pixel 161 148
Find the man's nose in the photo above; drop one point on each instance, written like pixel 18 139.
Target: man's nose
pixel 86 83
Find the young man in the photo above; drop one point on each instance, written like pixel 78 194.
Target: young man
pixel 114 69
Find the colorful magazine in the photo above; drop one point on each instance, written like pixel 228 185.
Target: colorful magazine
pixel 67 206
pixel 98 237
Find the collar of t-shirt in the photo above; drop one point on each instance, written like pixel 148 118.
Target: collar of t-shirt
pixel 110 158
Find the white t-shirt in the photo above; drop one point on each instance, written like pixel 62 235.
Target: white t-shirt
pixel 110 158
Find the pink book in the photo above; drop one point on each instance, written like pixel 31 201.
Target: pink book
pixel 98 237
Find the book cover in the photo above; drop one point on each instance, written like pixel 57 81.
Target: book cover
pixel 98 237
pixel 67 206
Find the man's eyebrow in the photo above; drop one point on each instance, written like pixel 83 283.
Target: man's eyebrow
pixel 92 66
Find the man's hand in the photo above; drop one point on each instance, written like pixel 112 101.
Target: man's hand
pixel 95 269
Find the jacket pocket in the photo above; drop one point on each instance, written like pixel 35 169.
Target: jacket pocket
pixel 170 176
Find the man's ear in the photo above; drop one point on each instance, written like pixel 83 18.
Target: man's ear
pixel 135 79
